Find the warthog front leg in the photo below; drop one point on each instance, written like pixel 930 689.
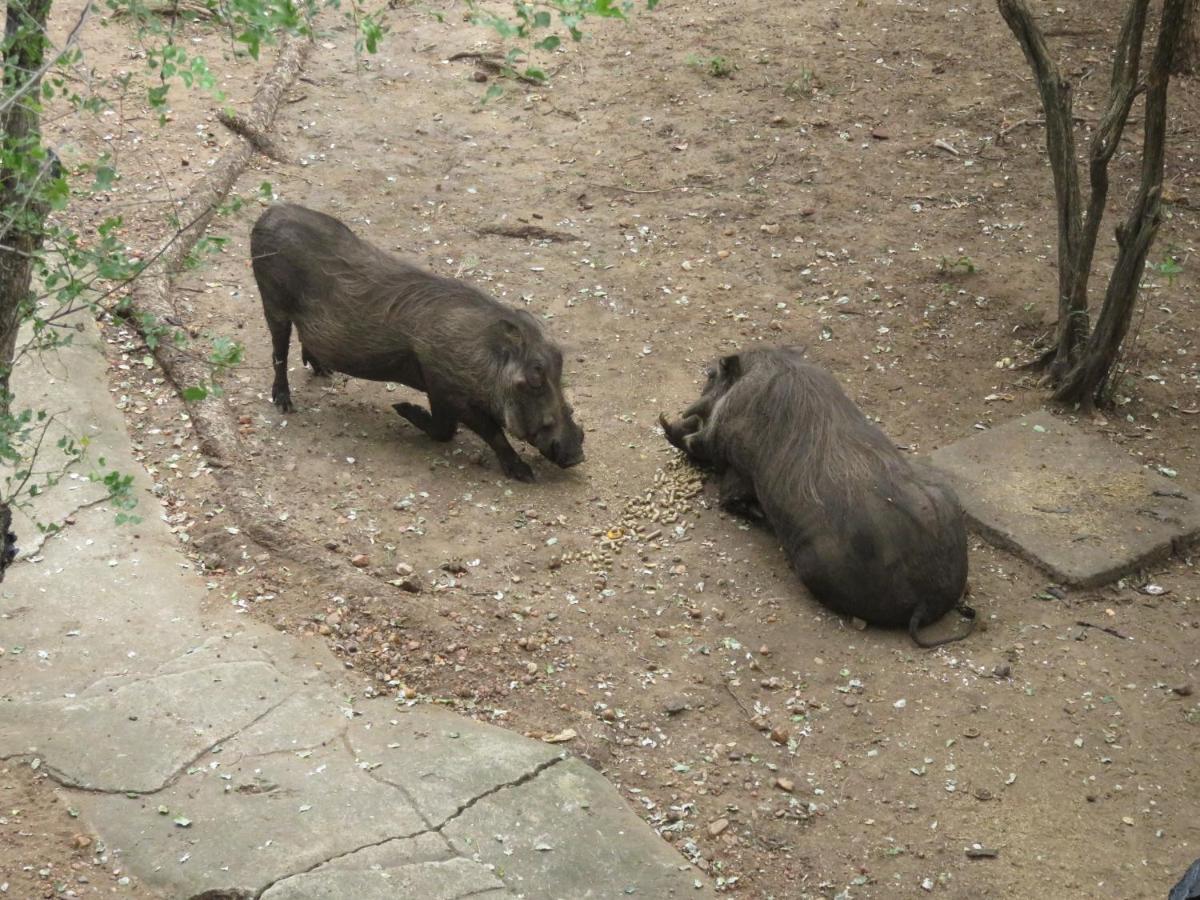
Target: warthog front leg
pixel 439 421
pixel 493 433
pixel 737 497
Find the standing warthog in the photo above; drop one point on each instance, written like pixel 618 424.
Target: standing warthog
pixel 369 314
pixel 869 535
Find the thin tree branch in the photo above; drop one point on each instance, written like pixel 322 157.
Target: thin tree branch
pixel 152 293
pixel 1087 380
pixel 35 79
pixel 1056 98
pixel 1124 87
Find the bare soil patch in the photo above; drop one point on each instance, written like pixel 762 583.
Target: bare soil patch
pixel 45 851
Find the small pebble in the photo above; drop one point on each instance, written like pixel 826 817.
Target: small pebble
pixel 675 705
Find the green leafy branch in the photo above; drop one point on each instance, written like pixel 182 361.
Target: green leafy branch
pixel 531 25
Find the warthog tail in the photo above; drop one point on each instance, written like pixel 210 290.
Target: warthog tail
pixel 918 619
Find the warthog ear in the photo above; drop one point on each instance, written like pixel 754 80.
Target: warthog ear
pixel 731 366
pixel 507 341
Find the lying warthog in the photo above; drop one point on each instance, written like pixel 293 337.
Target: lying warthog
pixel 869 535
pixel 367 313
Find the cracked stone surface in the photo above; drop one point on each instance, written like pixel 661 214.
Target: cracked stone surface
pixel 136 734
pixel 253 820
pixel 410 747
pixel 46 384
pixel 217 756
pixel 69 644
pixel 570 826
pixel 425 866
pixel 312 717
pixel 1069 501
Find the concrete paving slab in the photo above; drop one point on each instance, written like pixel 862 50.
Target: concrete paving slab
pixel 133 734
pixel 566 834
pixel 411 748
pixel 449 880
pixel 72 618
pixel 1068 500
pixel 424 866
pixel 252 821
pixel 47 383
pixel 312 717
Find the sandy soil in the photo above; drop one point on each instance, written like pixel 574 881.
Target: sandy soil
pixel 45 851
pixel 799 199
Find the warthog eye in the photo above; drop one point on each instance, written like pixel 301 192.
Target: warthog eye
pixel 536 377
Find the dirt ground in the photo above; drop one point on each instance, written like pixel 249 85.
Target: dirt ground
pixel 792 193
pixel 46 852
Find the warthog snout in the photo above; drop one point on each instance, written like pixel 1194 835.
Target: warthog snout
pixel 564 456
pixel 566 449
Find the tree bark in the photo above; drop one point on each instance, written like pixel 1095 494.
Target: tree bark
pixel 1187 54
pixel 22 218
pixel 1087 380
pixel 22 215
pixel 1123 90
pixel 1060 145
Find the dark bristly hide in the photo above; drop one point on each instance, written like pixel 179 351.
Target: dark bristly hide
pixel 369 314
pixel 869 534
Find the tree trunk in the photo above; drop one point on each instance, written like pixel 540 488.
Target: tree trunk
pixel 22 214
pixel 1057 103
pixel 1187 54
pixel 23 51
pixel 1087 381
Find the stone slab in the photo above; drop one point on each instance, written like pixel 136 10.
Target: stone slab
pixel 311 717
pixel 80 612
pixel 41 382
pixel 1068 500
pixel 424 866
pixel 566 834
pixel 252 822
pixel 435 755
pixel 135 734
